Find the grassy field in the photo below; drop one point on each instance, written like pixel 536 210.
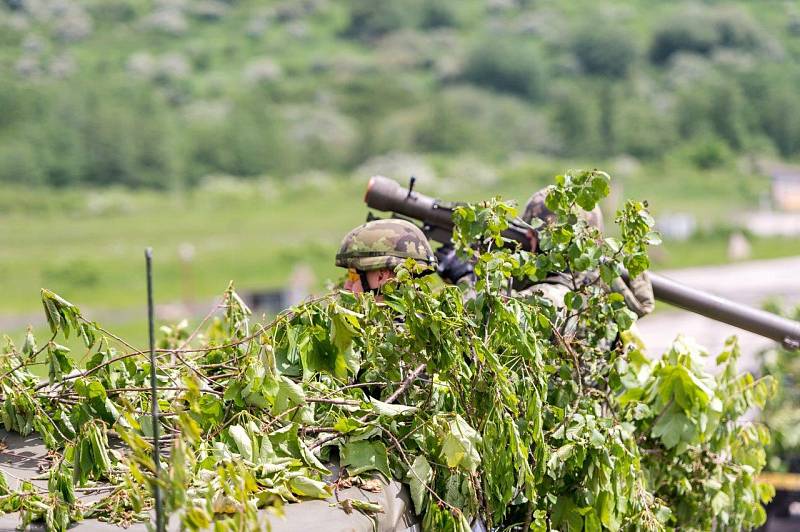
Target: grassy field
pixel 88 245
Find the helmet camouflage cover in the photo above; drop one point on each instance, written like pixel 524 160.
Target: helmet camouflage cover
pixel 380 244
pixel 536 208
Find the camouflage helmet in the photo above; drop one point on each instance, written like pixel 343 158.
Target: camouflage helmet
pixel 380 244
pixel 536 208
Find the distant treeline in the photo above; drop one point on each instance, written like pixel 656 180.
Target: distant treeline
pixel 163 94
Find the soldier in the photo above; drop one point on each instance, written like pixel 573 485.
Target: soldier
pixel 638 292
pixel 372 251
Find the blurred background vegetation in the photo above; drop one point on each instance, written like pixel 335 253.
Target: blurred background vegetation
pixel 244 131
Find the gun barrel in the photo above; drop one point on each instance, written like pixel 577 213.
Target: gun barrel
pixel 766 324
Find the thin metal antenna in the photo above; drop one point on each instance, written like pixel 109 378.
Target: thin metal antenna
pixel 411 183
pixel 148 256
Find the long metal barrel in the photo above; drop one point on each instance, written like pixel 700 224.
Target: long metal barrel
pixel 782 330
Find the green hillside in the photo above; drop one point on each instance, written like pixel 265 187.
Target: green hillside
pixel 165 93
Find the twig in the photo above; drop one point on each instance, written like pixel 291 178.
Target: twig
pixel 528 516
pixel 332 401
pixel 318 430
pixel 406 383
pixel 323 441
pixel 30 358
pixel 166 388
pixel 96 489
pixel 213 311
pixel 396 444
pixel 571 352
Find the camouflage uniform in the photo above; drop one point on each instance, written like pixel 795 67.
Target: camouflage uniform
pixel 638 293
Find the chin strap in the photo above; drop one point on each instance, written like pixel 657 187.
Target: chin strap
pixel 365 283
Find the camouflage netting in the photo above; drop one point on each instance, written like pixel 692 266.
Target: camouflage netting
pixel 486 407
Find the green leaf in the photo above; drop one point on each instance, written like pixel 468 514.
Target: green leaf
pixel 306 487
pixel 566 515
pixel 586 199
pixel 289 394
pixel 720 502
pixel 558 458
pixel 145 422
pixel 653 238
pixel 607 512
pixel 361 456
pixel 212 408
pixel 460 445
pixel 613 244
pixel 266 453
pixel 573 300
pixel 310 458
pixel 29 347
pixel 601 184
pixel 624 318
pixel 362 506
pixel 242 440
pixel 682 384
pixel 391 409
pixel 51 313
pixel 342 328
pixel 285 441
pixel 419 477
pixel 347 424
pixel 87 333
pixel 673 428
pixel 233 392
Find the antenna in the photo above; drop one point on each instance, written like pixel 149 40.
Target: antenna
pixel 411 183
pixel 148 257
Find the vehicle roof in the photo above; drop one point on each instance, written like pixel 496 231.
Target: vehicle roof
pixel 25 458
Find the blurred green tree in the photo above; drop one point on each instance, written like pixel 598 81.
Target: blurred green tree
pixel 714 106
pixel 576 119
pixel 371 19
pixel 507 65
pixel 683 33
pixel 604 50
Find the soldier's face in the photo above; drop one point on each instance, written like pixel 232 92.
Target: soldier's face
pixel 375 278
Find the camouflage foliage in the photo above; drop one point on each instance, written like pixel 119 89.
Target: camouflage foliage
pixel 382 244
pixel 638 292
